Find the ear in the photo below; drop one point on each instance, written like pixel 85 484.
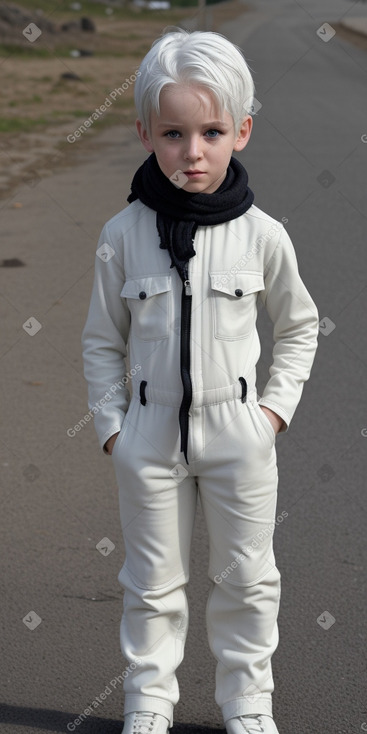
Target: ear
pixel 144 137
pixel 244 133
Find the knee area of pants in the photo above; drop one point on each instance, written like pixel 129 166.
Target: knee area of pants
pixel 247 578
pixel 129 581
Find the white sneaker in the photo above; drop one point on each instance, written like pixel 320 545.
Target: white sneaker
pixel 145 722
pixel 251 724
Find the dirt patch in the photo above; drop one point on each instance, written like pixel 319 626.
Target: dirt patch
pixel 41 109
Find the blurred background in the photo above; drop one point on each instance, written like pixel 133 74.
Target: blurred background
pixel 60 60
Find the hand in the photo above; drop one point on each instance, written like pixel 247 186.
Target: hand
pixel 111 442
pixel 275 419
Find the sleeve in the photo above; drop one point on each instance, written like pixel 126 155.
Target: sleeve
pixel 296 327
pixel 104 342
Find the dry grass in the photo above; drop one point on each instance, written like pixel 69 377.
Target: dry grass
pixel 39 108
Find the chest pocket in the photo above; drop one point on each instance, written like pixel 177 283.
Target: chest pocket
pixel 234 302
pixel 149 302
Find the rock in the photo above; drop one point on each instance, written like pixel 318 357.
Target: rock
pixel 73 25
pixel 87 24
pixel 84 24
pixel 70 75
pixel 76 52
pixel 12 262
pixel 15 17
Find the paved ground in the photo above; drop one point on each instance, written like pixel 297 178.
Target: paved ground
pixel 307 162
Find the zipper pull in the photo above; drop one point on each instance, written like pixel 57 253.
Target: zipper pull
pixel 188 291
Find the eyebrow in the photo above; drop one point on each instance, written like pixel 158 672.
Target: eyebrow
pixel 205 124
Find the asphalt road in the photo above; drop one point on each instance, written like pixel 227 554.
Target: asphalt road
pixel 307 162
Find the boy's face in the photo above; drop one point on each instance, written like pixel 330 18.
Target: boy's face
pixel 190 135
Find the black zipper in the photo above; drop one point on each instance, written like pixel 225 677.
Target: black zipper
pixel 186 301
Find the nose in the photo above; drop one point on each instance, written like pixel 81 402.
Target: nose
pixel 193 148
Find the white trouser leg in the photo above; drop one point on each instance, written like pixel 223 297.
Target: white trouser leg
pixel 157 517
pixel 243 634
pixel 238 492
pixel 153 630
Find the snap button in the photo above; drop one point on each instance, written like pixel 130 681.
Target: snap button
pixel 142 295
pixel 238 292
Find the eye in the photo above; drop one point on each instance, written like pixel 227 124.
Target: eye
pixel 172 134
pixel 214 131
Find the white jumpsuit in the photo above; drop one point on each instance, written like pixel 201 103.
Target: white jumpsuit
pixel 136 306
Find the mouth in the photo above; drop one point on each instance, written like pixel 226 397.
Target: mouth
pixel 193 173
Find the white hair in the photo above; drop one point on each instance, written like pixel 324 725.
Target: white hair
pixel 205 58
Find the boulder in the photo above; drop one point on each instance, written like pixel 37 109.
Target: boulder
pixel 87 24
pixel 83 24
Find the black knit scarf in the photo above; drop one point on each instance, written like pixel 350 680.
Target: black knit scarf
pixel 179 212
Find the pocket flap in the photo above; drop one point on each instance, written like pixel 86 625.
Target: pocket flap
pixel 142 288
pixel 239 284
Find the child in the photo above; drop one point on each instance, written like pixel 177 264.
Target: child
pixel 178 277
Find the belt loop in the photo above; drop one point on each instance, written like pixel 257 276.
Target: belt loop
pixel 244 389
pixel 143 385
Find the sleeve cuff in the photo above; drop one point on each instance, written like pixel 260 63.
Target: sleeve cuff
pixel 279 411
